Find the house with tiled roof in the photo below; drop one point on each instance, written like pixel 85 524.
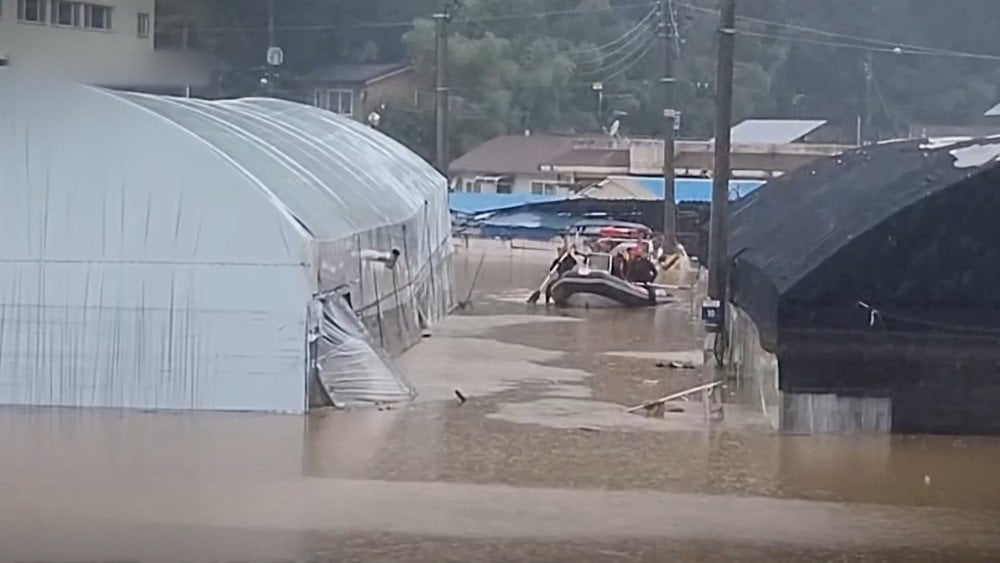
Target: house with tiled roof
pixel 511 164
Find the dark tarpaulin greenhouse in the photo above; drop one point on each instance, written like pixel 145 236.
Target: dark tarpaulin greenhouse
pixel 875 274
pixel 909 226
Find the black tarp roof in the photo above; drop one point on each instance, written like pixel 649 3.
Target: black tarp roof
pixel 792 225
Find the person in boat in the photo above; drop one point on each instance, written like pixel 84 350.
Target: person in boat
pixel 565 261
pixel 619 264
pixel 640 269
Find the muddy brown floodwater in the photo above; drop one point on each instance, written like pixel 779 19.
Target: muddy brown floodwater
pixel 541 463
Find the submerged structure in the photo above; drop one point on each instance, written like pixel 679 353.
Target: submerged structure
pixel 864 290
pixel 174 253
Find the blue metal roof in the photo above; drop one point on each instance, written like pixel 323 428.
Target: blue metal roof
pixel 698 189
pixel 685 189
pixel 472 203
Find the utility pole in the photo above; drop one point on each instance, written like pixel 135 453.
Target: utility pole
pixel 275 56
pixel 270 24
pixel 868 70
pixel 718 261
pixel 441 89
pixel 669 124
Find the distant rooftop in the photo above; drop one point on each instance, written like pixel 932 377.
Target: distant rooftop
pixel 688 189
pixel 591 157
pixel 773 131
pixel 993 111
pixel 359 73
pixel 513 154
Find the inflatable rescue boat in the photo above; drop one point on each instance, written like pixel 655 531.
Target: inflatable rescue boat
pixel 594 288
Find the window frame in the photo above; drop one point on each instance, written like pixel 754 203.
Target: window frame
pixel 143 21
pixel 543 187
pixel 88 17
pixel 77 13
pixel 324 98
pixel 22 12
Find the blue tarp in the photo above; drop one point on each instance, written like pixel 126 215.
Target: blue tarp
pixel 698 189
pixel 472 203
pixel 685 189
pixel 526 224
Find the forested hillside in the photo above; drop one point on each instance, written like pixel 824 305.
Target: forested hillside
pixel 530 64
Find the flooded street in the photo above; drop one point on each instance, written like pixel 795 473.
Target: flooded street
pixel 540 463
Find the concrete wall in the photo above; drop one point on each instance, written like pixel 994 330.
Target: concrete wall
pixel 797 413
pixel 752 365
pixel 522 182
pixel 46 43
pixel 115 57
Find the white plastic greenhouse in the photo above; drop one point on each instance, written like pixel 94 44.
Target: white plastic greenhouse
pixel 172 253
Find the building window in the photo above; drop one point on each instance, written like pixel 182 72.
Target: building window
pixel 66 13
pixel 31 11
pixel 337 101
pixel 142 25
pixel 544 188
pixel 97 16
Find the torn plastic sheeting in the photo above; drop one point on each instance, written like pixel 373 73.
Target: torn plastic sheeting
pixel 976 155
pixel 352 369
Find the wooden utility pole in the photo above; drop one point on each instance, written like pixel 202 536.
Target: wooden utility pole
pixel 718 262
pixel 441 89
pixel 669 124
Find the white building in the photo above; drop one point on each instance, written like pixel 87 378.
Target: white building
pixel 105 42
pixel 511 164
pixel 179 253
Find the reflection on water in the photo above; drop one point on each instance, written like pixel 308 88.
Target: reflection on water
pixel 443 441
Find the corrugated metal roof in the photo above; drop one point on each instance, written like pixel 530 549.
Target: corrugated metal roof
pixel 773 131
pixel 592 157
pixel 513 154
pixel 691 189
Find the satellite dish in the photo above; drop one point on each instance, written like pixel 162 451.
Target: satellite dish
pixel 613 130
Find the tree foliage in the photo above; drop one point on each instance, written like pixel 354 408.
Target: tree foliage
pixel 517 65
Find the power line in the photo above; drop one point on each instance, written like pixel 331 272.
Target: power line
pixel 598 51
pixel 635 44
pixel 895 51
pixel 674 27
pixel 630 65
pixel 409 23
pixel 875 45
pixel 880 42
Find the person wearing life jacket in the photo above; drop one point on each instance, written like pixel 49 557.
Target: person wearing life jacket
pixel 619 264
pixel 565 261
pixel 640 269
